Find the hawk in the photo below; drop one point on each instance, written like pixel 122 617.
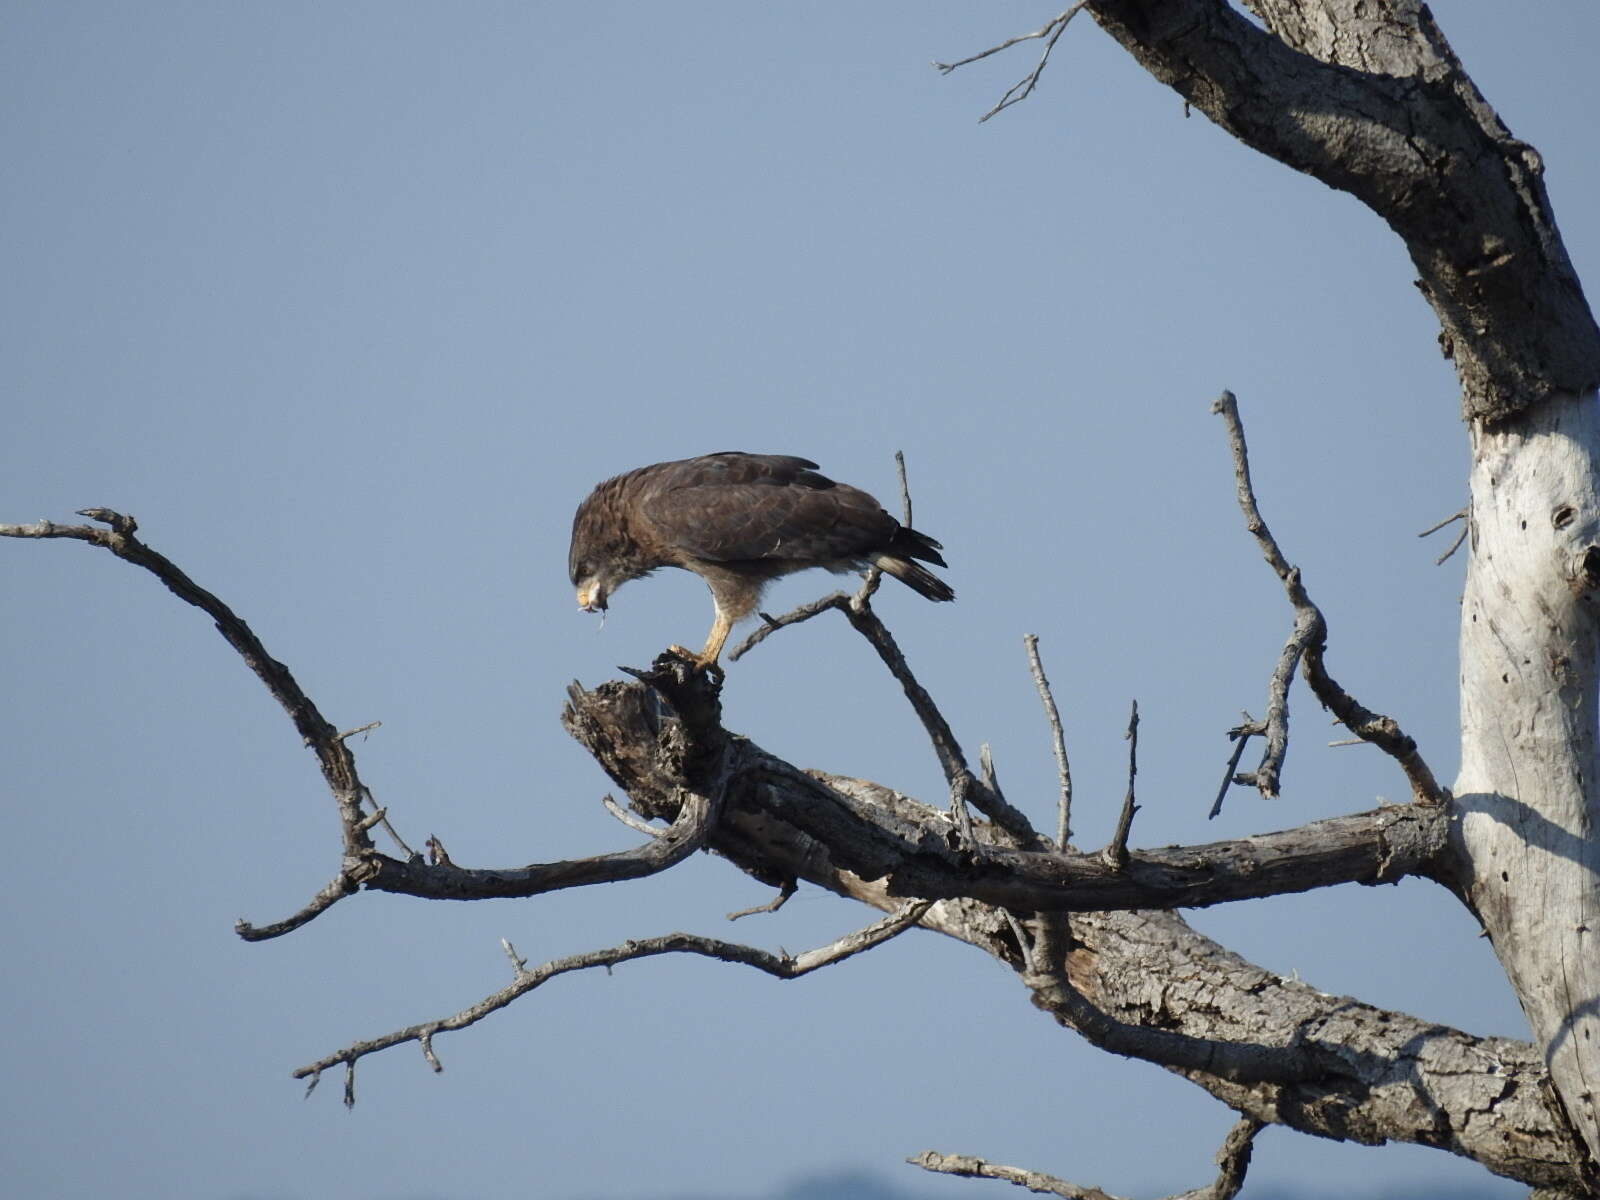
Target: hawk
pixel 738 521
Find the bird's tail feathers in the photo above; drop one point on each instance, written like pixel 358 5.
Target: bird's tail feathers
pixel 910 543
pixel 917 577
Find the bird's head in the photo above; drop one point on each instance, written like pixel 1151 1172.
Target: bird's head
pixel 604 553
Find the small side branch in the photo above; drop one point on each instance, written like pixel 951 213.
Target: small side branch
pixel 1240 735
pixel 1116 852
pixel 1233 1159
pixel 1019 91
pixel 1307 644
pixel 444 880
pixel 964 786
pixel 628 819
pixel 972 1167
pixel 785 891
pixel 782 966
pixel 334 891
pixel 1465 517
pixel 1058 742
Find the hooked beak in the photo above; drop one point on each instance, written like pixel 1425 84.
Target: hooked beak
pixel 591 597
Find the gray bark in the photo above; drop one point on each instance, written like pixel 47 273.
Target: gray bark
pixel 1274 1048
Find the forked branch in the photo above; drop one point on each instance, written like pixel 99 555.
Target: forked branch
pixel 1023 88
pixel 1305 646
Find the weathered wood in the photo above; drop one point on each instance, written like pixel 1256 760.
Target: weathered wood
pixel 1527 793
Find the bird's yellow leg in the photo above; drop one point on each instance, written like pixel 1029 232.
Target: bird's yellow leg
pixel 720 628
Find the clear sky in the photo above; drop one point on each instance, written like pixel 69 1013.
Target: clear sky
pixel 350 304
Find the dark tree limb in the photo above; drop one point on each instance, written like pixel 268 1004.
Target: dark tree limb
pixel 923 857
pixel 1321 1064
pixel 1371 100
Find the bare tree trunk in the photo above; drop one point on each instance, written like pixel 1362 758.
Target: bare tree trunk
pixel 1527 790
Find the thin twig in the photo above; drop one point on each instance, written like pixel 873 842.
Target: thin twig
pixel 1116 851
pixel 905 489
pixel 1240 735
pixel 1454 546
pixel 519 965
pixel 330 894
pixel 873 575
pixel 380 817
pixel 1020 91
pixel 964 786
pixel 628 819
pixel 1233 1159
pixel 785 891
pixel 987 771
pixel 972 1167
pixel 770 624
pixel 1460 515
pixel 1024 943
pixel 782 966
pixel 1058 741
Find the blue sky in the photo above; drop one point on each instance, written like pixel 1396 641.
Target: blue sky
pixel 351 303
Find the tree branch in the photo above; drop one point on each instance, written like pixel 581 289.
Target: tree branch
pixel 781 966
pixel 1021 90
pixel 1307 643
pixel 917 852
pixel 1233 1157
pixel 1058 742
pixel 337 762
pixel 1376 104
pixel 1116 852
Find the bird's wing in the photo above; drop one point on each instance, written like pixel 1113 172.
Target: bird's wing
pixel 745 507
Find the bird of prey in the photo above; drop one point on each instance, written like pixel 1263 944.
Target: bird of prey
pixel 738 521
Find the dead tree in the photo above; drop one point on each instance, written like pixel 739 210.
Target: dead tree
pixel 1366 96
